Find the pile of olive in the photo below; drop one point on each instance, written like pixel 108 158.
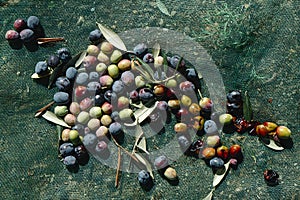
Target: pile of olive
pixel 110 87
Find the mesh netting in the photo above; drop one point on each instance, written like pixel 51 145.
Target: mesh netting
pixel 255 46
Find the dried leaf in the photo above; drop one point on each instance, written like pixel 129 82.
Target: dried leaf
pixel 80 59
pixel 165 63
pixel 156 50
pixel 271 144
pixel 59 130
pixel 210 195
pixel 218 178
pixel 146 113
pixel 247 110
pixel 112 37
pixel 50 116
pixel 138 135
pixel 36 76
pixel 200 75
pixel 142 145
pixel 146 163
pixel 179 62
pixel 161 6
pixel 144 74
pixel 73 61
pixel 145 67
pixel 141 114
pixel 140 105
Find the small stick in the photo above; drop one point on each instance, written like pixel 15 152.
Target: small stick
pixel 118 168
pixel 200 94
pixel 40 111
pixel 134 146
pixel 129 154
pixel 49 40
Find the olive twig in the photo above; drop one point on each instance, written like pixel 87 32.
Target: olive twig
pixel 200 94
pixel 122 148
pixel 49 40
pixel 118 168
pixel 40 111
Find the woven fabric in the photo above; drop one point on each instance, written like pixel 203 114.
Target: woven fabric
pixel 255 46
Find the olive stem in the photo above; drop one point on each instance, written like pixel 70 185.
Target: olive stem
pixel 118 168
pixel 49 40
pixel 40 111
pixel 200 94
pixel 122 148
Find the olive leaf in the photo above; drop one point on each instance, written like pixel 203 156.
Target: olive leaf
pixel 50 116
pixel 165 63
pixel 138 134
pixel 142 145
pixel 59 130
pixel 145 162
pixel 247 110
pixel 36 76
pixel 161 6
pixel 141 114
pixel 62 68
pixel 271 144
pixel 177 66
pixel 80 59
pixel 140 105
pixel 219 177
pixel 210 195
pixel 112 37
pixel 156 50
pixel 145 67
pixel 145 74
pixel 199 75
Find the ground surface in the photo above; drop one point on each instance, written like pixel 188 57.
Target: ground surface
pixel 255 45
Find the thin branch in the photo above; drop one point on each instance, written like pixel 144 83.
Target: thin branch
pixel 40 111
pixel 118 168
pixel 129 154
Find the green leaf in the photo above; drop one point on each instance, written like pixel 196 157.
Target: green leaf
pixel 161 6
pixel 165 63
pixel 112 37
pixel 179 62
pixel 247 109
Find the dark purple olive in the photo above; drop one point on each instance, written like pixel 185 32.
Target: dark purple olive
pixel 271 177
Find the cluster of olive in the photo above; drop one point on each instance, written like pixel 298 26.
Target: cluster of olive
pixel 110 88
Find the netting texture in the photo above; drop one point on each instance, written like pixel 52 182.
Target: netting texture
pixel 255 45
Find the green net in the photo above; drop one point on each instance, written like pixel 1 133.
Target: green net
pixel 255 46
